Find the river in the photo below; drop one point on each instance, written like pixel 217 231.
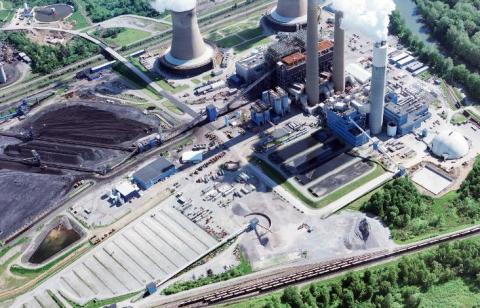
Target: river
pixel 408 10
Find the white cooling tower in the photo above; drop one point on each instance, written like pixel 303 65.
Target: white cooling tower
pixel 377 89
pixel 188 49
pixel 289 15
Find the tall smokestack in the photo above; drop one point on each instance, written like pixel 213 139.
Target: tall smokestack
pixel 187 42
pixel 3 76
pixel 289 14
pixel 339 54
pixel 377 91
pixel 313 91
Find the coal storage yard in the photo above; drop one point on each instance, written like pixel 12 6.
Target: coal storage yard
pixel 28 193
pixel 82 135
pixel 68 139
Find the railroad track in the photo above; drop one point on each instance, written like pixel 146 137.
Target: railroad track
pixel 304 273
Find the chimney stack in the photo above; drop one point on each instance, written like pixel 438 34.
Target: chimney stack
pixel 377 88
pixel 339 54
pixel 313 91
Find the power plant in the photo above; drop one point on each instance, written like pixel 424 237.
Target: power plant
pixel 377 88
pixel 288 15
pixel 188 53
pixel 312 86
pixel 339 55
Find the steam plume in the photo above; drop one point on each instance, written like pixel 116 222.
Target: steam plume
pixel 369 17
pixel 173 5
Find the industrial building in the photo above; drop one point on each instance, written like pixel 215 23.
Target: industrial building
pixel 251 68
pixel 260 113
pixel 407 114
pixel 340 119
pixel 288 15
pixel 188 54
pixel 212 114
pixel 192 157
pixel 153 173
pixel 278 100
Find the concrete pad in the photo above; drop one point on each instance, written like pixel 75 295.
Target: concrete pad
pixel 105 276
pixel 91 281
pixel 46 300
pixel 150 251
pixel 191 227
pixel 162 245
pixel 118 271
pixel 141 258
pixel 78 287
pixel 180 232
pixel 173 240
pixel 128 264
pixel 32 303
pixel 430 180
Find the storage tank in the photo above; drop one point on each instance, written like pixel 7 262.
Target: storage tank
pixel 392 129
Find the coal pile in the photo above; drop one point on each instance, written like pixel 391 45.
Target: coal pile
pixel 28 194
pixel 82 135
pixel 71 141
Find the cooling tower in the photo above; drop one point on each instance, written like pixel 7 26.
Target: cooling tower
pixel 188 50
pixel 377 89
pixel 289 15
pixel 313 91
pixel 3 76
pixel 339 54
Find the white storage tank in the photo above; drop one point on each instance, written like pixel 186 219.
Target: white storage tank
pixel 391 129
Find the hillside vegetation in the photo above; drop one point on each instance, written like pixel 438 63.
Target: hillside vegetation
pixel 47 58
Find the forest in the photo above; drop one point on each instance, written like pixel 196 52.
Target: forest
pixel 440 64
pixel 399 284
pixel 99 10
pixel 47 58
pixel 409 214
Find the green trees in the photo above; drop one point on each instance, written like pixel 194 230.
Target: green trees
pixel 99 10
pixel 397 285
pixel 442 65
pixel 47 58
pixel 397 203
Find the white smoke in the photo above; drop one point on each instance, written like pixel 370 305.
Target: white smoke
pixel 174 5
pixel 368 17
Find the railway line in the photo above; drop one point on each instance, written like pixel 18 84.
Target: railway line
pixel 294 275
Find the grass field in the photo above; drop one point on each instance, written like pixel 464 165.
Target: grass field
pixel 170 106
pixel 78 20
pixel 127 37
pixel 335 195
pixel 458 119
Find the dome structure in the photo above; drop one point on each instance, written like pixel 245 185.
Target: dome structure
pixel 450 145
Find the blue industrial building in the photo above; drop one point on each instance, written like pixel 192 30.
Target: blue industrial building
pixel 260 113
pixel 154 173
pixel 211 113
pixel 278 99
pixel 340 123
pixel 408 114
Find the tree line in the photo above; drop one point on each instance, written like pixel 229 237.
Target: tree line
pixel 397 285
pixel 48 58
pixel 441 65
